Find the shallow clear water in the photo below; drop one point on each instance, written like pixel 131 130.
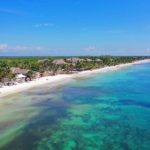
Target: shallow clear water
pixel 109 111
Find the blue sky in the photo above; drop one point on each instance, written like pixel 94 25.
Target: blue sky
pixel 74 27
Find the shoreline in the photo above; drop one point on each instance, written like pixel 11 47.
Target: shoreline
pixel 8 90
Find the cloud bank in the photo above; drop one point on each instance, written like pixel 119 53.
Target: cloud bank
pixel 43 25
pixel 6 47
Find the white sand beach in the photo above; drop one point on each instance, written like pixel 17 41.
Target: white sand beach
pixel 7 90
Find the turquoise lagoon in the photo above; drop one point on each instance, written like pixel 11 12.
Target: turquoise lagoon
pixel 107 111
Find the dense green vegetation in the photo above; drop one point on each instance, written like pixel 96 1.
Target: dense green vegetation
pixel 43 64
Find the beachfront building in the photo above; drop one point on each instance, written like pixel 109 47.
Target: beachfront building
pixel 20 77
pixel 59 62
pixel 73 60
pixel 16 71
pixel 21 74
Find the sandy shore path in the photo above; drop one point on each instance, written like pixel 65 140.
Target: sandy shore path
pixel 6 90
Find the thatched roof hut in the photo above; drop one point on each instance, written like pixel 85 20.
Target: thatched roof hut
pixel 16 70
pixel 73 60
pixel 58 62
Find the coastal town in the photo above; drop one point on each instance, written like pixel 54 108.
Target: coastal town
pixel 19 70
pixel 18 74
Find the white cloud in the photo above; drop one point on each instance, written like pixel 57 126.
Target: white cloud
pixel 148 50
pixel 6 47
pixel 90 48
pixel 43 25
pixel 93 50
pixel 3 46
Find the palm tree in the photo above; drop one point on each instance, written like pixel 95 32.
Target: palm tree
pixel 4 70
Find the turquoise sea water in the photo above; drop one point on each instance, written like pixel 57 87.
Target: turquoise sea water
pixel 108 111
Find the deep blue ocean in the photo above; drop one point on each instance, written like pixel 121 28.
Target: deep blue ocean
pixel 107 111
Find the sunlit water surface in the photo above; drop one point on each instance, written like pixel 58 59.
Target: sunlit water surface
pixel 108 111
